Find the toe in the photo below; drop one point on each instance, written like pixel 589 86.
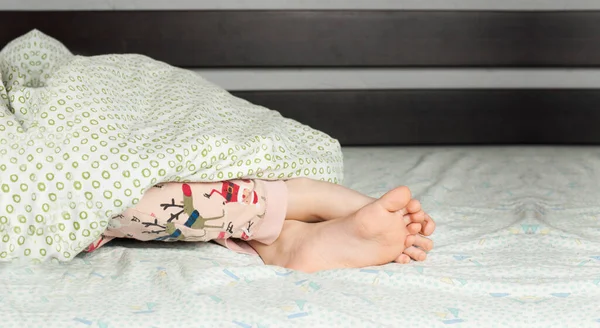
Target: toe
pixel 428 225
pixel 418 217
pixel 410 240
pixel 415 253
pixel 413 228
pixel 413 206
pixel 395 199
pixel 403 212
pixel 424 243
pixel 402 259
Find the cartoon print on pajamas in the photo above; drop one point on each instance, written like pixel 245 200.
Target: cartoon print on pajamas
pixel 95 245
pixel 180 217
pixel 193 229
pixel 231 192
pixel 239 194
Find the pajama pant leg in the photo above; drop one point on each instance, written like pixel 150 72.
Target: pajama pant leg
pixel 228 212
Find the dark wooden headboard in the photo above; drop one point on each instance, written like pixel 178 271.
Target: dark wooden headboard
pixel 368 39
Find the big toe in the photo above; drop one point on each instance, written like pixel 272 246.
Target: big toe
pixel 395 199
pixel 413 206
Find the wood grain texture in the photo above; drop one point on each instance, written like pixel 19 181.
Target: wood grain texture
pixel 272 39
pixel 335 38
pixel 443 117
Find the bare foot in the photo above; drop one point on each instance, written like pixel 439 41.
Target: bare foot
pixel 374 235
pixel 419 224
pixel 329 201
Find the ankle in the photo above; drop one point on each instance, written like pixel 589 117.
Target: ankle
pixel 283 250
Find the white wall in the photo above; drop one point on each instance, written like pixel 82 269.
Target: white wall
pixel 326 79
pixel 357 78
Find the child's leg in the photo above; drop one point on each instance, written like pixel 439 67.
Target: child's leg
pixel 218 212
pixel 314 201
pixel 330 201
pixel 232 209
pixel 375 234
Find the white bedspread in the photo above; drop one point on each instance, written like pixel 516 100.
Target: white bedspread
pixel 517 245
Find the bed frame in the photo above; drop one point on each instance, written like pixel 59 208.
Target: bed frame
pixel 369 39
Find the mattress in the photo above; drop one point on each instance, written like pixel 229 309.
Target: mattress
pixel 517 245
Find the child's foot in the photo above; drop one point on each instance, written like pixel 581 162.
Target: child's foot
pixel 418 224
pixel 374 235
pixel 330 201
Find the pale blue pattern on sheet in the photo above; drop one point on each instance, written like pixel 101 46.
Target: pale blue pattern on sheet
pixel 517 245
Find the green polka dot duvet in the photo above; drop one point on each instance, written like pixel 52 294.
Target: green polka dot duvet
pixel 517 245
pixel 82 138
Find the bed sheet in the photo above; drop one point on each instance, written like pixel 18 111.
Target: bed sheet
pixel 517 245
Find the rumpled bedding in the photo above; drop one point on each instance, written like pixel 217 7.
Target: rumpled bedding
pixel 517 245
pixel 82 138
